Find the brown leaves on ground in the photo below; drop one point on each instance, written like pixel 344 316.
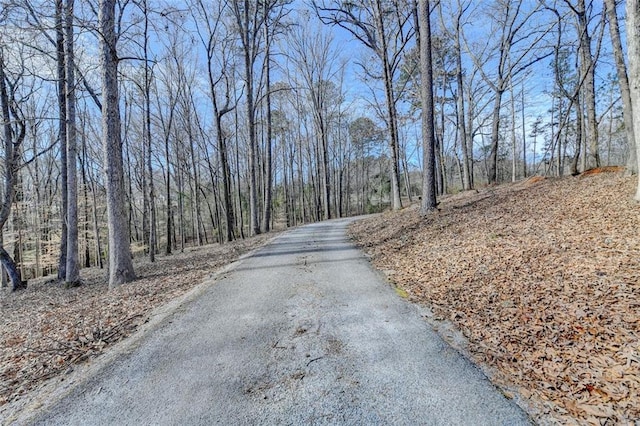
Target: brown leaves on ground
pixel 46 329
pixel 542 277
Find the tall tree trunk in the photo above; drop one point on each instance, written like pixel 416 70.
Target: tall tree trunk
pixel 587 66
pixel 268 172
pixel 120 263
pixel 238 181
pixel 633 50
pixel 226 180
pixel 253 155
pixel 12 143
pixel 73 265
pixel 3 278
pixel 428 131
pixel 180 183
pixel 495 135
pixel 85 193
pixel 469 142
pixel 392 115
pixel 524 138
pixel 623 81
pixel 242 12
pixel 579 132
pixel 96 227
pixel 153 230
pixel 168 248
pixel 62 130
pixel 462 128
pixel 514 146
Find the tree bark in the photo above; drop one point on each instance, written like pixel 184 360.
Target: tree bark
pixel 428 132
pixel 495 134
pixel 462 128
pixel 268 171
pixel 120 263
pixel 623 81
pixel 633 50
pixel 587 66
pixel 392 115
pixel 72 278
pixel 241 10
pixel 12 142
pixel 62 130
pixel 153 230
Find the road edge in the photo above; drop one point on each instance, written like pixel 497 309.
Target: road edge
pixel 60 386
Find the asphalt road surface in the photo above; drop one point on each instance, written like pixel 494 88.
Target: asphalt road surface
pixel 303 332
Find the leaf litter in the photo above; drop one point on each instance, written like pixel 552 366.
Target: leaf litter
pixel 542 277
pixel 46 329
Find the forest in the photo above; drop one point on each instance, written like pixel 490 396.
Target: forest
pixel 142 127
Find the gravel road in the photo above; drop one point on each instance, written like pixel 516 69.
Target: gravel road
pixel 303 332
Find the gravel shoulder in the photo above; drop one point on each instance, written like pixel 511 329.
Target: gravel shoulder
pixel 303 331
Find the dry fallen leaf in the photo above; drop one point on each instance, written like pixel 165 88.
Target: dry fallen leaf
pixel 542 277
pixel 46 329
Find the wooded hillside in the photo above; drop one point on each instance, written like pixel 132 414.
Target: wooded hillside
pixel 542 277
pixel 163 125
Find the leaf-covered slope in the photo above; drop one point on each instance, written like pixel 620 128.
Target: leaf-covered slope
pixel 542 277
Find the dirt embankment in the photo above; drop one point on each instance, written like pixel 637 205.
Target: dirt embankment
pixel 543 279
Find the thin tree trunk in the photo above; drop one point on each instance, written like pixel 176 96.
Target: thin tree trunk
pixel 462 128
pixel 524 138
pixel 428 132
pixel 514 146
pixel 243 19
pixel 12 143
pixel 226 180
pixel 3 279
pixel 268 172
pixel 469 142
pixel 96 227
pixel 153 232
pixel 396 202
pixel 579 132
pixel 168 248
pixel 85 192
pixel 73 266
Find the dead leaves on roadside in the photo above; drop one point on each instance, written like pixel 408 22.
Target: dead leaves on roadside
pixel 46 329
pixel 542 277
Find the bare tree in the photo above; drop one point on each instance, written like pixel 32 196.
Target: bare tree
pixel 120 263
pixel 587 68
pixel 514 30
pixel 249 21
pixel 151 199
pixel 623 81
pixel 214 35
pixel 72 278
pixel 317 64
pixel 386 29
pixel 62 133
pixel 464 133
pixel 14 131
pixel 633 50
